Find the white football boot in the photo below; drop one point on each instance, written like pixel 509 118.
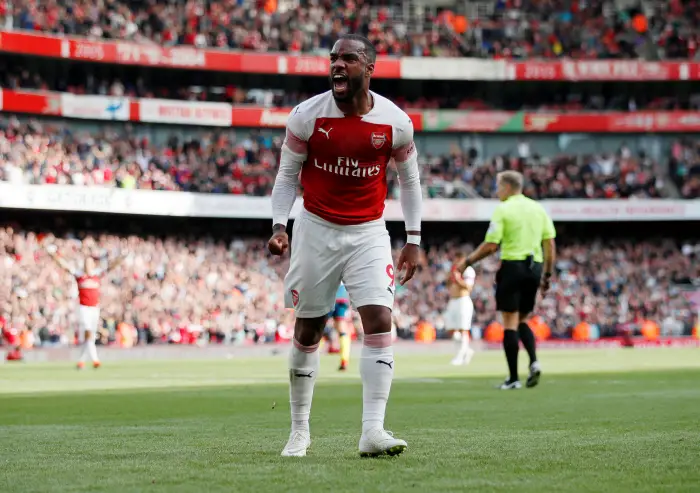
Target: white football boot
pixel 376 442
pixel 298 442
pixel 457 361
pixel 469 356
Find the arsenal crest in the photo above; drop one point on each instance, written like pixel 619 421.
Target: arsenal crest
pixel 295 297
pixel 378 140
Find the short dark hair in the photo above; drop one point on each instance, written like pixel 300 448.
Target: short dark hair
pixel 370 51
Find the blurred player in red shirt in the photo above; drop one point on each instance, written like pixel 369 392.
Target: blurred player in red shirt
pixel 460 309
pixel 89 281
pixel 339 145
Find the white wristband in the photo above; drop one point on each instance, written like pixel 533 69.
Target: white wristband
pixel 413 239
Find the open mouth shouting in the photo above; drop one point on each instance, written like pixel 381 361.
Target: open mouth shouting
pixel 340 84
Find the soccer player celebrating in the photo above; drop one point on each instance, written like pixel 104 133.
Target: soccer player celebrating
pixel 525 234
pixel 341 142
pixel 89 282
pixel 458 316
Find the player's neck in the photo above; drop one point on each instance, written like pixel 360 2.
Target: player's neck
pixel 360 105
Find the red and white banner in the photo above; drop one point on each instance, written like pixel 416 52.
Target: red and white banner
pixel 273 117
pixel 602 70
pixel 94 107
pixel 149 110
pixel 176 57
pixel 620 122
pixel 225 115
pixel 185 112
pixel 417 68
pixel 187 204
pixel 35 103
pixel 621 210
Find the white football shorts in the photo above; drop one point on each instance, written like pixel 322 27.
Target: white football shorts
pixel 88 319
pixel 458 315
pixel 324 254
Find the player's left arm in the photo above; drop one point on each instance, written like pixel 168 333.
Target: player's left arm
pixel 406 158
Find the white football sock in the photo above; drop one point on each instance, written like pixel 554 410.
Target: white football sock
pixel 92 351
pixel 464 346
pixel 377 371
pixel 84 352
pixel 303 369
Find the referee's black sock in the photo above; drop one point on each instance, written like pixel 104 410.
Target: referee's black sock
pixel 528 339
pixel 511 348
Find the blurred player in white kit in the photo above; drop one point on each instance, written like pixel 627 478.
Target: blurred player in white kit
pixel 339 144
pixel 89 280
pixel 460 309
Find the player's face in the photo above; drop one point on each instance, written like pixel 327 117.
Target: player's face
pixel 350 71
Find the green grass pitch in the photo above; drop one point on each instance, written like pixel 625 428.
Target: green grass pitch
pixel 601 421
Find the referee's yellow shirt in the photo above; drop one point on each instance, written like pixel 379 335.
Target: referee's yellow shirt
pixel 519 225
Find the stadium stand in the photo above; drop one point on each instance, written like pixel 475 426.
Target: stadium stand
pixel 187 289
pixel 684 166
pixel 33 153
pixel 506 29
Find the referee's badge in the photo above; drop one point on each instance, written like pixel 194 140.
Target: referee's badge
pixel 493 227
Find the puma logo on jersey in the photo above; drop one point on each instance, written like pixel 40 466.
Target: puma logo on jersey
pixel 326 132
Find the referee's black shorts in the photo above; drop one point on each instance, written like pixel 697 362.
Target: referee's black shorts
pixel 517 282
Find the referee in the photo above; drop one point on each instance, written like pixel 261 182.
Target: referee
pixel 523 230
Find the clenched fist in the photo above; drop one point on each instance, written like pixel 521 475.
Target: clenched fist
pixel 279 243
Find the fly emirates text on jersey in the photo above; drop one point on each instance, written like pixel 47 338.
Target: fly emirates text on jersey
pixel 347 166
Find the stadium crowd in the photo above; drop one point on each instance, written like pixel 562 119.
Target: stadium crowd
pixel 508 28
pixel 606 283
pixel 195 290
pixel 604 176
pixel 219 162
pixel 685 168
pixel 169 290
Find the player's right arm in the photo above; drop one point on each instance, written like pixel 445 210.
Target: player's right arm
pixel 284 192
pixel 549 249
pixel 61 262
pixel 491 242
